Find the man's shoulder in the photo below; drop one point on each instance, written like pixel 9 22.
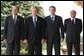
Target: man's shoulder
pixel 58 16
pixel 79 20
pixel 19 16
pixel 29 17
pixel 47 17
pixel 40 17
pixel 8 16
pixel 67 19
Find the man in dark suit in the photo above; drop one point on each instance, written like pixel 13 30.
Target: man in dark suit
pixel 54 31
pixel 13 31
pixel 73 28
pixel 34 31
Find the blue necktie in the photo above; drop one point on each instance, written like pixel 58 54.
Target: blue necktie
pixel 14 19
pixel 52 19
pixel 35 22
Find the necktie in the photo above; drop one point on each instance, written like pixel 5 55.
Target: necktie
pixel 14 19
pixel 72 21
pixel 52 19
pixel 34 22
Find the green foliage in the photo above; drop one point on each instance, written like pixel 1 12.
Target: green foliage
pixel 25 9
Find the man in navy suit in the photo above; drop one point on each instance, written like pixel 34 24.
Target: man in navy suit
pixel 54 31
pixel 13 31
pixel 34 32
pixel 73 28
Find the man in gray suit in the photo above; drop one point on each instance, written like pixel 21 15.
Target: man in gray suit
pixel 13 31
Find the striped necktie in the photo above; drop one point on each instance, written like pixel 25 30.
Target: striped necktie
pixel 34 22
pixel 14 19
pixel 52 19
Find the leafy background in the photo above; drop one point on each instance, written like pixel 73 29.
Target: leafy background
pixel 25 10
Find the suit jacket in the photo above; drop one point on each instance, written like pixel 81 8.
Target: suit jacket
pixel 34 35
pixel 73 30
pixel 52 29
pixel 13 31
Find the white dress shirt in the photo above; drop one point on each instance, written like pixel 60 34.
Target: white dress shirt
pixel 53 17
pixel 73 19
pixel 15 18
pixel 34 17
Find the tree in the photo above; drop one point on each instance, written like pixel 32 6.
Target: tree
pixel 24 9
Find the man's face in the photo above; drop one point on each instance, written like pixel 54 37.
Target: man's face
pixel 52 11
pixel 14 10
pixel 73 13
pixel 34 11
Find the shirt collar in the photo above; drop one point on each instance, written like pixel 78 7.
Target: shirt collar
pixel 34 17
pixel 52 16
pixel 72 18
pixel 15 16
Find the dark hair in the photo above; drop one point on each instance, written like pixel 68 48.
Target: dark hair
pixel 52 7
pixel 16 6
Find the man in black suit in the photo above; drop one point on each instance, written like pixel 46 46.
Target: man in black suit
pixel 54 31
pixel 73 28
pixel 34 32
pixel 13 31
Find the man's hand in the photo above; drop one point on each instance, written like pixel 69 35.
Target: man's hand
pixel 5 41
pixel 43 41
pixel 24 41
pixel 62 39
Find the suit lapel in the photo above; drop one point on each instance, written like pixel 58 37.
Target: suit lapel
pixel 75 20
pixel 49 20
pixel 55 19
pixel 31 19
pixel 70 21
pixel 37 21
pixel 11 19
pixel 17 19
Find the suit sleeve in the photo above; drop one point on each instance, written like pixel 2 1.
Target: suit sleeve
pixel 80 26
pixel 43 29
pixel 65 26
pixel 22 34
pixel 62 28
pixel 5 28
pixel 26 28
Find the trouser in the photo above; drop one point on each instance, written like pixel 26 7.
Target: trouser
pixel 76 48
pixel 34 47
pixel 56 48
pixel 13 48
